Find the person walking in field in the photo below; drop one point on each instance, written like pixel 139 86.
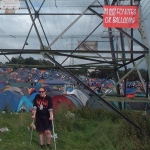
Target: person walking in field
pixel 43 115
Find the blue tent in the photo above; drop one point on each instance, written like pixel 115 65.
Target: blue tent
pixel 32 96
pixel 70 89
pixel 130 90
pixel 25 104
pixel 2 85
pixel 13 101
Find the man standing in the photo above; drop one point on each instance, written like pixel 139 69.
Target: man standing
pixel 43 113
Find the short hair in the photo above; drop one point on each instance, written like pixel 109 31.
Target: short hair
pixel 43 87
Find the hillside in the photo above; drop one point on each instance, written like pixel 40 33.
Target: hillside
pixel 87 130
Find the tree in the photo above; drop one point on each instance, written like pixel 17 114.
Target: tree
pixel 13 60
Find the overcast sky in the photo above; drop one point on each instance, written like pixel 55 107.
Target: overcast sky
pixel 14 28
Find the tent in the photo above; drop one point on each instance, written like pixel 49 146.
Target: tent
pixel 70 97
pixel 94 102
pixel 25 91
pixel 69 88
pixel 20 84
pixel 31 90
pixel 137 105
pixel 56 82
pixel 2 85
pixel 132 92
pixel 13 101
pixel 62 100
pixel 37 86
pixel 25 104
pixel 80 95
pixel 54 93
pixel 32 96
pixel 111 92
pixel 75 100
pixel 14 89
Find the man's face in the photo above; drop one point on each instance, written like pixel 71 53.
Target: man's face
pixel 42 92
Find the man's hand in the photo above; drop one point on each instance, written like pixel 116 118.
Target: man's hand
pixel 33 117
pixel 51 118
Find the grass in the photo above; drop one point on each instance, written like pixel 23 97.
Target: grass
pixel 89 129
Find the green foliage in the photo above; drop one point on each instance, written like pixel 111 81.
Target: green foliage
pixel 88 129
pixel 29 61
pixel 82 71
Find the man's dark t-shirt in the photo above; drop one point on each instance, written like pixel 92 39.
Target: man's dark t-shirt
pixel 43 104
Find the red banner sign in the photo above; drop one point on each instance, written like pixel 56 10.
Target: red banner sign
pixel 121 17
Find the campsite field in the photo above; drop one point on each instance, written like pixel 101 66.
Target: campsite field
pixel 87 130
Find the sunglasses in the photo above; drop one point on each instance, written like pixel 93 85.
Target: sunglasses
pixel 41 91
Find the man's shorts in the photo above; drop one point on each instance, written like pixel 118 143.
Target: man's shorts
pixel 43 124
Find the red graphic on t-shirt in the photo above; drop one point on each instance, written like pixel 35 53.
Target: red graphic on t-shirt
pixel 42 102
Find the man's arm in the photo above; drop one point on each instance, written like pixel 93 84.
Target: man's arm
pixel 50 108
pixel 51 114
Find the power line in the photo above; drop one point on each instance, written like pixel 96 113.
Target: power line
pixel 61 3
